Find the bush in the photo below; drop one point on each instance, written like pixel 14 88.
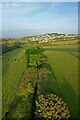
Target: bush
pixel 51 107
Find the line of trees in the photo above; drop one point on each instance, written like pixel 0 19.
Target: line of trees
pixel 9 45
pixel 35 59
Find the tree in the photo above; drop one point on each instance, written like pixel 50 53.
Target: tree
pixel 35 57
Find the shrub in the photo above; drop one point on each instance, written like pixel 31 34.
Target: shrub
pixel 51 107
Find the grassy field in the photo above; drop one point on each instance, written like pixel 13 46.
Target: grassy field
pixel 60 44
pixel 18 85
pixel 58 75
pixel 13 65
pixel 65 67
pixel 21 106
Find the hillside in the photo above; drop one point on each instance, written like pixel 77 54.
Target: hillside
pixel 31 69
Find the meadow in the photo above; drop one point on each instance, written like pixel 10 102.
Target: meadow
pixel 58 75
pixel 65 67
pixel 13 64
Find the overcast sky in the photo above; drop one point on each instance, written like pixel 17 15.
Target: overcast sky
pixel 32 18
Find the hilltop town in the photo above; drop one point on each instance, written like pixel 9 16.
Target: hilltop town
pixel 52 37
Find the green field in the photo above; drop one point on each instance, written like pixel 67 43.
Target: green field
pixel 58 75
pixel 12 71
pixel 65 67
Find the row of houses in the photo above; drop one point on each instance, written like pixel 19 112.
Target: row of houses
pixel 50 37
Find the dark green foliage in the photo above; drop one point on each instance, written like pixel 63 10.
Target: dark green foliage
pixel 35 57
pixel 51 107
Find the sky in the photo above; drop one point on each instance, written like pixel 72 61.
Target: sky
pixel 34 18
pixel 39 0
